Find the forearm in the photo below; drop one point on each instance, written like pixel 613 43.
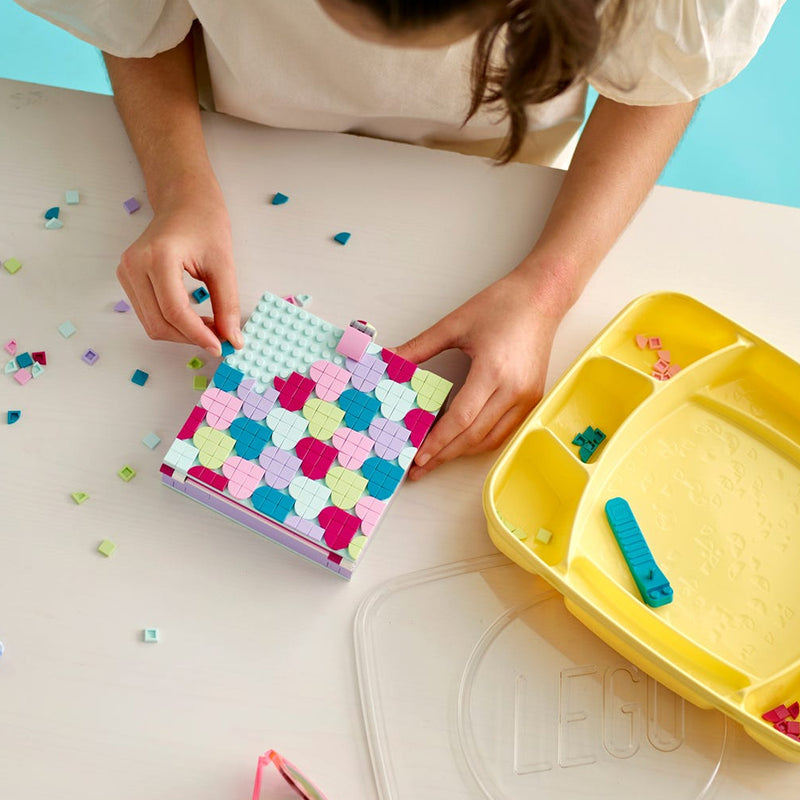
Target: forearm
pixel 620 155
pixel 157 101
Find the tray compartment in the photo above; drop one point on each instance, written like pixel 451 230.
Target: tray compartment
pixel 688 330
pixel 601 393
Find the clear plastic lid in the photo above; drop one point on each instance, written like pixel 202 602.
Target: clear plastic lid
pixel 476 682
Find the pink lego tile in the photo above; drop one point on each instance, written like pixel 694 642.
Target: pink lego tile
pixel 193 422
pixel 792 727
pixel 354 343
pixel 243 476
pixel 672 370
pixel 777 714
pixel 390 438
pixel 294 391
pixel 22 376
pixel 330 378
pixel 794 709
pixel 654 342
pixel 367 373
pixel 664 355
pixel 353 447
pixel 641 341
pixel 398 368
pixel 339 526
pixel 10 347
pixel 661 366
pixel 370 510
pixel 221 407
pixel 209 477
pixel 418 422
pixel 316 457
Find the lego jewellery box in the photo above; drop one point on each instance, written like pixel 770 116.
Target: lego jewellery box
pixel 305 434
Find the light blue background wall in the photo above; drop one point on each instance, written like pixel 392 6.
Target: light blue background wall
pixel 743 141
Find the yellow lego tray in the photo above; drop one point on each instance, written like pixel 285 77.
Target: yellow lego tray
pixel 709 461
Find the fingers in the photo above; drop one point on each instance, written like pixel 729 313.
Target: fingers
pixel 222 286
pixel 439 337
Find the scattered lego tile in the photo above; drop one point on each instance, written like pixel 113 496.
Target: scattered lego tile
pixel 151 440
pixel 131 205
pixel 520 533
pixel 90 357
pixel 227 349
pixel 11 366
pixel 279 198
pixel 777 714
pixel 79 497
pixel 67 329
pixel 72 196
pixel 40 357
pixel 794 710
pixel 641 341
pixel 36 370
pixel 10 347
pixel 24 359
pixel 53 224
pixel 139 377
pixel 12 266
pixel 544 536
pixel 122 307
pixel 342 238
pixel 22 376
pixel 13 416
pixel 664 355
pixel 200 383
pixel 200 294
pixel 127 473
pixel 661 366
pixel 672 370
pixel 150 635
pixel 654 342
pixel 195 363
pixel 106 547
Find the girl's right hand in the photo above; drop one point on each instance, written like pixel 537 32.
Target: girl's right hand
pixel 193 234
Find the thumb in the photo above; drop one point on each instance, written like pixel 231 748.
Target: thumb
pixel 439 337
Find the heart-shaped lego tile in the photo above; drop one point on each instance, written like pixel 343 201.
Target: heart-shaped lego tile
pixel 396 400
pixel 383 477
pixel 293 391
pixel 367 372
pixel 193 422
pixel 431 389
pixel 418 421
pixel 251 437
pixel 227 378
pixel 357 544
pixel 353 447
pixel 359 409
pixel 243 476
pixel 370 510
pixel 280 467
pixel 254 405
pixel 304 527
pixel 287 428
pixel 346 486
pixel 323 418
pixel 221 408
pixel 316 456
pixel 398 369
pixel 310 497
pixel 331 379
pixel 406 457
pixel 339 526
pixel 214 447
pixel 272 503
pixel 390 437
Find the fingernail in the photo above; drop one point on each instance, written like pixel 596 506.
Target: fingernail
pixel 422 459
pixel 215 351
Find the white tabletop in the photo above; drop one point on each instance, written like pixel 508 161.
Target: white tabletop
pixel 256 644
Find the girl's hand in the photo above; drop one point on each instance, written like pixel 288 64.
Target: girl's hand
pixel 508 335
pixel 191 234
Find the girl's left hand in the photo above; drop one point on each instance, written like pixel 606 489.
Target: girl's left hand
pixel 508 335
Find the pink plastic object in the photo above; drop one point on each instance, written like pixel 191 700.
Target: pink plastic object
pixel 353 447
pixel 331 379
pixel 10 347
pixel 641 341
pixel 665 355
pixel 672 370
pixel 366 373
pixel 40 357
pixel 280 467
pixel 222 408
pixel 398 368
pixel 193 422
pixel 243 476
pixel 661 366
pixel 370 509
pixel 298 782
pixel 316 457
pixel 419 423
pixel 654 342
pixel 294 391
pixel 340 527
pixel 209 477
pixel 390 438
pixel 777 714
pixel 792 727
pixel 794 709
pixel 22 376
pixel 354 343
